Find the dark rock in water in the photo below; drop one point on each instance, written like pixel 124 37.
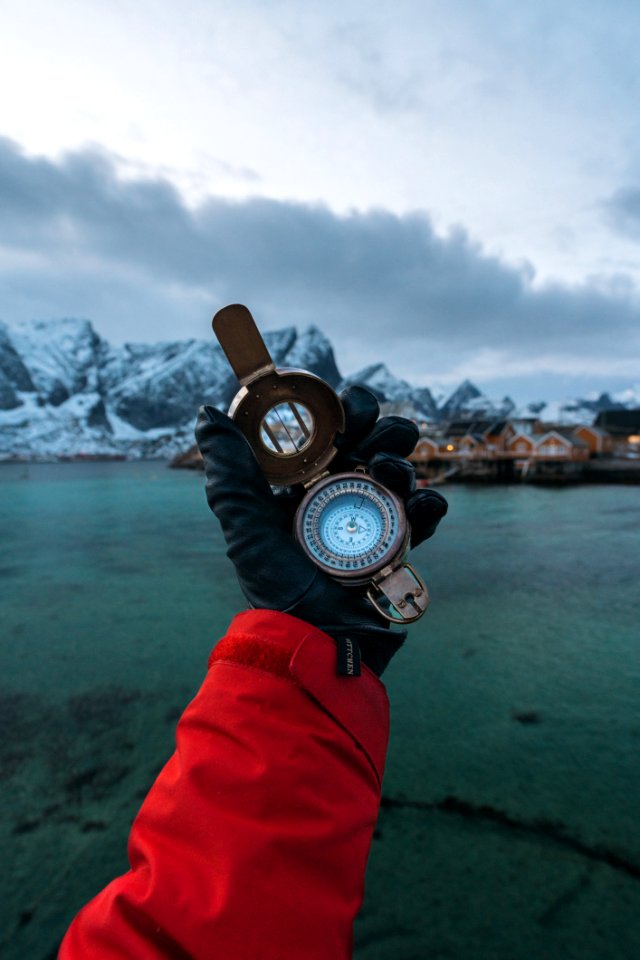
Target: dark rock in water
pixel 190 459
pixel 172 715
pixel 94 782
pixel 82 778
pixel 102 707
pixel 21 717
pixel 526 716
pixel 26 826
pixel 25 918
pixel 92 825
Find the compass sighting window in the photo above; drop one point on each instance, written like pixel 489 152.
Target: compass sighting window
pixel 287 429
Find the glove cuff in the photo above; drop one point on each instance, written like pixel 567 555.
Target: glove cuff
pixel 376 646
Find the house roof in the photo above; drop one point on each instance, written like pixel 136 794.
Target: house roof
pixel 589 426
pixel 569 433
pixel 561 433
pixel 619 423
pixel 521 436
pixel 459 428
pixel 497 427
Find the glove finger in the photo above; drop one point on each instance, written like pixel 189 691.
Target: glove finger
pixel 394 472
pixel 237 491
pixel 288 499
pixel 390 435
pixel 361 410
pixel 425 509
pixel 256 529
pixel 229 465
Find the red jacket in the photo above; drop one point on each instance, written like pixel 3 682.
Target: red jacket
pixel 253 841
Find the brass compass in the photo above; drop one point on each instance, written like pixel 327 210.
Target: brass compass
pixel 348 524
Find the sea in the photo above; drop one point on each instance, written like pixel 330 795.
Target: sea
pixel 510 822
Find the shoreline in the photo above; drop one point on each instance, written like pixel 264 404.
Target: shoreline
pixel 591 473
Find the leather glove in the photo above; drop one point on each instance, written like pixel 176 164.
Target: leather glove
pixel 257 522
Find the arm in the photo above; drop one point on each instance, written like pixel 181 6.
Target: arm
pixel 252 843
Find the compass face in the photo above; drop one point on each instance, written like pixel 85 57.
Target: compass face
pixel 351 526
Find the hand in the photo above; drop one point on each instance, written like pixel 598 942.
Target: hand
pixel 273 571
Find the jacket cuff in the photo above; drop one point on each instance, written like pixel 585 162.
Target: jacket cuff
pixel 281 644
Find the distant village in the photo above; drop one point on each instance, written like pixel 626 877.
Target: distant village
pixel 511 449
pixel 528 449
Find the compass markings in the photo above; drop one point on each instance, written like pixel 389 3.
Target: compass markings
pixel 336 538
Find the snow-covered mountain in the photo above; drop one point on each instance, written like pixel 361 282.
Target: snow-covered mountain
pixel 419 403
pixel 582 409
pixel 396 395
pixel 468 401
pixel 65 391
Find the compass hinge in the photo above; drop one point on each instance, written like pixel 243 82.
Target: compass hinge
pixel 405 592
pixel 319 476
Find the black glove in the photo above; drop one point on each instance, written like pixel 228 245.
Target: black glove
pixel 274 572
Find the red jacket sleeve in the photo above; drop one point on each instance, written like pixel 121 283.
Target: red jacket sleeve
pixel 253 841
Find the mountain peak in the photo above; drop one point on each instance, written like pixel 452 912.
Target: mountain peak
pixel 312 351
pixel 398 395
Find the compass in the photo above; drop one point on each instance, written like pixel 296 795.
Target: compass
pixel 349 525
pixel 352 527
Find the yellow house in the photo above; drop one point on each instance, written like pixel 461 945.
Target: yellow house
pixel 598 441
pixel 554 446
pixel 425 449
pixel 472 444
pixel 521 445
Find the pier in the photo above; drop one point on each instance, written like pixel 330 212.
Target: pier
pixel 530 451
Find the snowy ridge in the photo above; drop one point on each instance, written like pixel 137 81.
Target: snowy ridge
pixel 396 396
pixel 62 358
pixel 66 392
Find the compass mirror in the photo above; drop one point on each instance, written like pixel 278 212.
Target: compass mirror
pixel 287 429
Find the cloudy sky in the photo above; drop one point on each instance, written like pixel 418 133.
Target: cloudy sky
pixel 452 187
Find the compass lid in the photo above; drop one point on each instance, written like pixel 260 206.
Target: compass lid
pixel 290 417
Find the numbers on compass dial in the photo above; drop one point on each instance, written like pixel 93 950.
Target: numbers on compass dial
pixel 350 525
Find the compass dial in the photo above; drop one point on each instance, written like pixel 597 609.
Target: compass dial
pixel 351 526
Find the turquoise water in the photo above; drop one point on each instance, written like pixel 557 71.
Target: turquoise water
pixel 510 827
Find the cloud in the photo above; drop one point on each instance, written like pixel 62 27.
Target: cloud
pixel 622 211
pixel 362 64
pixel 131 254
